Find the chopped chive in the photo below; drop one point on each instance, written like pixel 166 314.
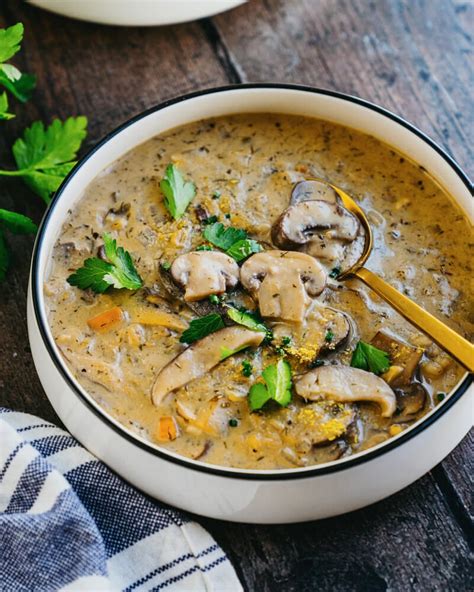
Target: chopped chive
pixel 247 368
pixel 210 220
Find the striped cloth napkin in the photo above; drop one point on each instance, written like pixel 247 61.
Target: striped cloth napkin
pixel 69 523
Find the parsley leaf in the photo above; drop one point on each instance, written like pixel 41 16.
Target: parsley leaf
pixel 119 271
pixel 277 386
pixel 368 357
pixel 247 319
pixel 201 327
pixel 10 40
pixel 178 193
pixel 20 85
pixel 4 114
pixel 17 223
pixel 223 237
pixel 243 249
pixel 44 156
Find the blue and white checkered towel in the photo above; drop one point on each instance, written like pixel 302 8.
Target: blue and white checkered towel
pixel 69 523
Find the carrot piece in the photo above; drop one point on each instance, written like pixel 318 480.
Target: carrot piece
pixel 107 320
pixel 158 318
pixel 167 429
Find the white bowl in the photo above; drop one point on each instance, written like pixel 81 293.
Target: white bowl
pixel 137 13
pixel 235 494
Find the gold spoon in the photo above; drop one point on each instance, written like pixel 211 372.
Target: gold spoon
pixel 458 347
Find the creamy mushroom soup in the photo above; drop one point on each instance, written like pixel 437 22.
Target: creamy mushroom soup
pixel 193 291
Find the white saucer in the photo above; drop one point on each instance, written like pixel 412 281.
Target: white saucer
pixel 137 12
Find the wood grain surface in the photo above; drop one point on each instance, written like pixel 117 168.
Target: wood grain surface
pixel 413 57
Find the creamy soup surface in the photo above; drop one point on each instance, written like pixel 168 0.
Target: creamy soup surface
pixel 244 168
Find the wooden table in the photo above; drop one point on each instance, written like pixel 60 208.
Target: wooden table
pixel 409 56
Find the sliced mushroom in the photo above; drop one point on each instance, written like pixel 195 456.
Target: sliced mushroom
pixel 202 273
pixel 201 357
pixel 411 399
pixel 405 356
pixel 313 190
pixel 346 385
pixel 314 220
pixel 282 282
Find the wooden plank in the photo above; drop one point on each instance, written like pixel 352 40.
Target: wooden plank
pixel 406 542
pixel 108 74
pixel 411 57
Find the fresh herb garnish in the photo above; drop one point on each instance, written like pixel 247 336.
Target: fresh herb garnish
pixel 247 368
pixel 223 237
pixel 214 299
pixel 166 265
pixel 43 157
pixel 204 248
pixel 441 396
pixel 329 336
pixel 178 192
pixel 286 341
pixel 19 85
pixel 247 319
pixel 233 422
pixel 243 249
pixel 211 220
pixel 98 275
pixel 233 241
pixel 335 273
pixel 201 327
pixel 368 357
pixel 216 195
pixel 277 386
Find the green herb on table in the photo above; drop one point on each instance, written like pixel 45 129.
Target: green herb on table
pixel 277 387
pixel 16 224
pixel 178 192
pixel 44 156
pixel 201 327
pixel 368 357
pixel 19 85
pixel 99 275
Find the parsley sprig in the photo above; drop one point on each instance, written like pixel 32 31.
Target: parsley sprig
pixel 99 275
pixel 277 387
pixel 201 327
pixel 234 241
pixel 368 357
pixel 178 192
pixel 43 156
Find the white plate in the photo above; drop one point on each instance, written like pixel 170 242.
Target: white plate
pixel 140 13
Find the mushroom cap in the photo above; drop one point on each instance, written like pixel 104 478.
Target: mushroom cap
pixel 301 222
pixel 346 385
pixel 282 282
pixel 202 356
pixel 202 273
pixel 310 190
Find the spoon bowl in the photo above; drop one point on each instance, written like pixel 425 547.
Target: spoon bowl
pixel 453 343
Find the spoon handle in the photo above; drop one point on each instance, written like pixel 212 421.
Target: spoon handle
pixel 458 347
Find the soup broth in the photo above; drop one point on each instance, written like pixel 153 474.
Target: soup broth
pixel 244 168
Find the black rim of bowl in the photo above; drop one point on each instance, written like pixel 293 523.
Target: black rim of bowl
pixel 252 474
